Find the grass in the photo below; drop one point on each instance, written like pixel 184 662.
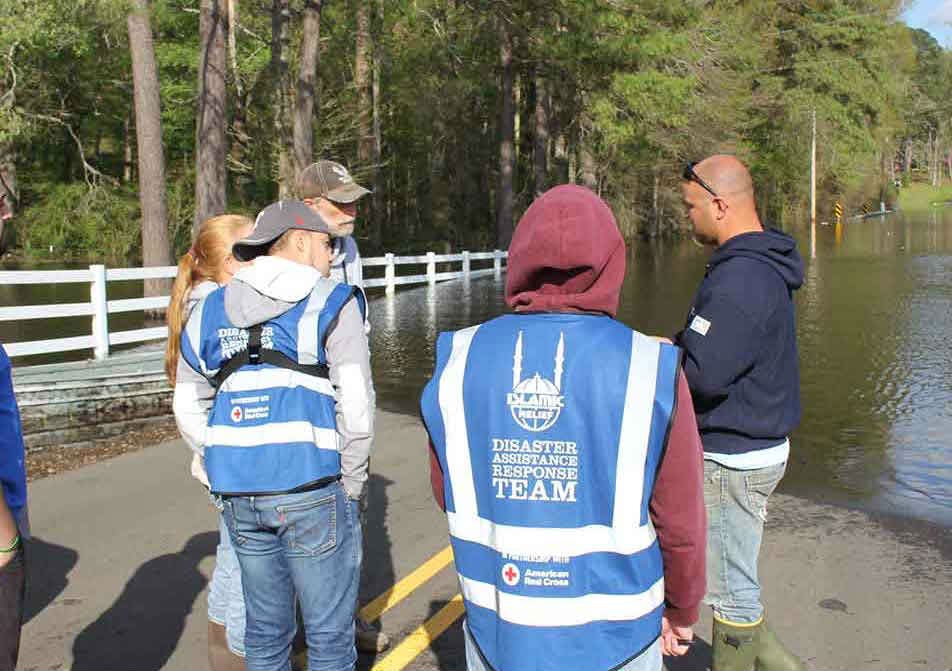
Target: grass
pixel 920 196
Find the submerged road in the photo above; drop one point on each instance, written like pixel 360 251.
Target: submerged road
pixel 123 550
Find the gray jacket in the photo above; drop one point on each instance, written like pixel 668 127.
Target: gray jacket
pixel 267 288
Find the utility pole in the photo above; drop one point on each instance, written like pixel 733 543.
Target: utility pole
pixel 813 172
pixel 813 188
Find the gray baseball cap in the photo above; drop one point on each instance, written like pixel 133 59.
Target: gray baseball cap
pixel 330 180
pixel 273 222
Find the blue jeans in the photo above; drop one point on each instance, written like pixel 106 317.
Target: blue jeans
pixel 649 660
pixel 305 545
pixel 226 601
pixel 736 503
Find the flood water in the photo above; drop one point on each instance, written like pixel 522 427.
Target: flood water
pixel 874 320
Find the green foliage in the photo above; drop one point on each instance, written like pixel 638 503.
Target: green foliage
pixel 639 88
pixel 78 221
pixel 918 196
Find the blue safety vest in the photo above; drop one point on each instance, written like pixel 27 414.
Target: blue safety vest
pixel 271 429
pixel 549 429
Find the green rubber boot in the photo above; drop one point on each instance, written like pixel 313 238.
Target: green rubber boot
pixel 771 653
pixel 734 645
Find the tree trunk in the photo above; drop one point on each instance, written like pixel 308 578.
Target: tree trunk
pixel 586 157
pixel 907 157
pixel 155 232
pixel 240 139
pixel 362 58
pixel 504 196
pixel 540 156
pixel 377 211
pixel 934 159
pixel 210 141
pixel 127 166
pixel 561 160
pixel 307 86
pixel 280 17
pixel 8 188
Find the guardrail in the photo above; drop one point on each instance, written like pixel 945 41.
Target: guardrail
pixel 100 307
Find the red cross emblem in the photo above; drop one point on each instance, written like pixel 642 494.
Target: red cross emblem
pixel 236 414
pixel 510 574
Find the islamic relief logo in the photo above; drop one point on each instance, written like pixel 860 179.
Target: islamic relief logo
pixel 536 402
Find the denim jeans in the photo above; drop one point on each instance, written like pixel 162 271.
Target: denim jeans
pixel 308 545
pixel 736 502
pixel 649 660
pixel 226 601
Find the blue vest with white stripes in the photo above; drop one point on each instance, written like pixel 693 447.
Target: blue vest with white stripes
pixel 270 430
pixel 549 429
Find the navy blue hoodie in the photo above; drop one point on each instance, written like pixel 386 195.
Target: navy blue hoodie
pixel 740 344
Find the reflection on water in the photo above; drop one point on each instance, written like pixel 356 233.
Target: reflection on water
pixel 874 321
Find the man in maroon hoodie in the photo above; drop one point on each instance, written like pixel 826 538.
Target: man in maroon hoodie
pixel 565 453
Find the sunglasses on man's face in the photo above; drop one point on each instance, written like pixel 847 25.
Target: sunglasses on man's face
pixel 691 176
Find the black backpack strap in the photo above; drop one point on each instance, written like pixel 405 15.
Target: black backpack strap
pixel 276 358
pixel 254 355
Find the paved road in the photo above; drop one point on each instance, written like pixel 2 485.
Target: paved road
pixel 123 550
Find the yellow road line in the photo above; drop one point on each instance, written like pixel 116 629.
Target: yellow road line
pixel 405 587
pixel 422 637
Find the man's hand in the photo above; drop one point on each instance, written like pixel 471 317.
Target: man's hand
pixel 670 635
pixel 663 339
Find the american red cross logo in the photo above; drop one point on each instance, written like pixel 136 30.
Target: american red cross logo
pixel 236 414
pixel 510 574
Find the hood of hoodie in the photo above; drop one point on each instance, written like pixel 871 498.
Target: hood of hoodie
pixel 566 255
pixel 776 249
pixel 198 292
pixel 267 288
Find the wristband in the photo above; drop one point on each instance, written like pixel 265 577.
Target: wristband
pixel 13 545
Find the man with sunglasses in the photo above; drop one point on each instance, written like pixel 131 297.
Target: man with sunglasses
pixel 740 358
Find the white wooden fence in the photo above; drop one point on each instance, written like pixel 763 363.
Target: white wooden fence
pixel 100 307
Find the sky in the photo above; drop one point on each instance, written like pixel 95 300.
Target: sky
pixel 934 16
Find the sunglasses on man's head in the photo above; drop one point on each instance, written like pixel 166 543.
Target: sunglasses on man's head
pixel 691 176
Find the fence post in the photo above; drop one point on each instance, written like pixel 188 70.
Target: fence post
pixel 390 273
pixel 431 267
pixel 465 265
pixel 97 296
pixel 497 264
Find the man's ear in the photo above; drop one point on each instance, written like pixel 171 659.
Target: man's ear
pixel 721 205
pixel 299 242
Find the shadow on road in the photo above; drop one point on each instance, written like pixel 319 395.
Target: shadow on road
pixel 697 659
pixel 378 574
pixel 449 647
pixel 48 566
pixel 143 626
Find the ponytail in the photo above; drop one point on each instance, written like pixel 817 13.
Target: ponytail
pixel 175 313
pixel 205 261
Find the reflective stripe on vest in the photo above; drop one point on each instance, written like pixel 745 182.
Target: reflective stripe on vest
pixel 545 592
pixel 270 429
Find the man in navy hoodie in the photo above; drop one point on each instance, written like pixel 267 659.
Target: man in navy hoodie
pixel 741 364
